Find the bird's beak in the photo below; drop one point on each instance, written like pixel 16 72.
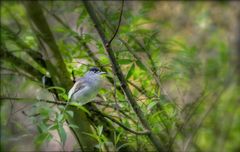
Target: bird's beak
pixel 102 73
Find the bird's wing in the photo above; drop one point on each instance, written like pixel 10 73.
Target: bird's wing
pixel 79 84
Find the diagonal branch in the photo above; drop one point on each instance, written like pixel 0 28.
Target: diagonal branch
pixel 117 70
pixel 35 55
pixel 21 64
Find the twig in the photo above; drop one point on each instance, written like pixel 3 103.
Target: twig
pixel 217 96
pixel 119 22
pixel 201 120
pixel 32 99
pixel 121 125
pixel 35 55
pixel 21 64
pixel 121 111
pixel 65 103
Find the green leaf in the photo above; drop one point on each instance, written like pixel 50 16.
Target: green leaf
pixel 70 113
pixel 59 117
pixel 151 105
pixel 64 96
pixel 123 145
pixel 117 137
pixel 125 61
pixel 57 88
pixel 53 127
pixel 41 138
pixel 80 107
pixel 42 127
pixel 81 17
pixel 131 71
pixel 73 126
pixel 100 129
pixel 141 65
pixel 91 135
pixel 45 112
pixel 62 133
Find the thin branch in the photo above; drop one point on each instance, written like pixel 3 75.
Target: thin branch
pixel 35 55
pixel 32 99
pixel 123 126
pixel 65 103
pixel 17 73
pixel 20 64
pixel 100 103
pixel 201 120
pixel 119 22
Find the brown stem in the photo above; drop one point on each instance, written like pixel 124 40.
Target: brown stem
pixel 119 22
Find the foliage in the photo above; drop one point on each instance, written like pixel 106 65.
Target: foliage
pixel 178 65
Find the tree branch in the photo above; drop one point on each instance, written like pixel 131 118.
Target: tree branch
pixel 90 53
pixel 35 55
pixel 117 70
pixel 52 55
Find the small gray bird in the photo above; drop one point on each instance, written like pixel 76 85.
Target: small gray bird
pixel 87 87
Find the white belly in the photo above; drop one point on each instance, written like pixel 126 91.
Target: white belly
pixel 85 95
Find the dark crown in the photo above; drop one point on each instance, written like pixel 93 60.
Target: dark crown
pixel 94 69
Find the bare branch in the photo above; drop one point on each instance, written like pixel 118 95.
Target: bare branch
pixel 65 103
pixel 119 22
pixel 20 64
pixel 123 126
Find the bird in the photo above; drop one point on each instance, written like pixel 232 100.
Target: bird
pixel 86 88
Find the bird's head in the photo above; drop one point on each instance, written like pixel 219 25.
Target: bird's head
pixel 94 71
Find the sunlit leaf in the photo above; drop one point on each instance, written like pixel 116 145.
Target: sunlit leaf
pixel 62 133
pixel 151 105
pixel 125 61
pixel 81 17
pixel 141 66
pixel 131 71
